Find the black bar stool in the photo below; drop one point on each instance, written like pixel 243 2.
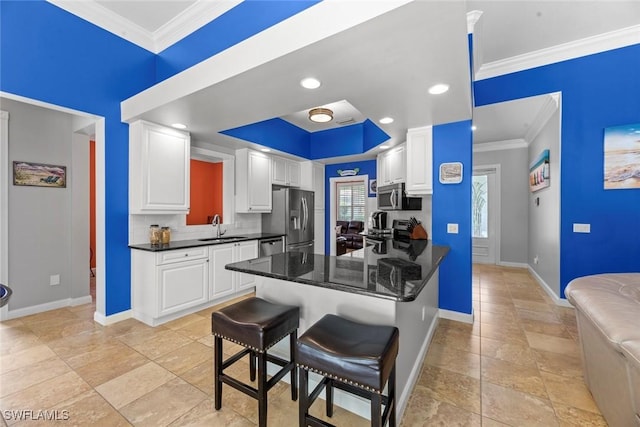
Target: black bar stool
pixel 257 325
pixel 353 357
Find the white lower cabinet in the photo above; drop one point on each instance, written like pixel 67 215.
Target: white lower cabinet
pixel 182 285
pixel 225 282
pixel 170 284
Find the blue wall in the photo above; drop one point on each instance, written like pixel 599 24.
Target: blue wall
pixel 598 91
pixel 366 167
pixel 451 203
pixel 50 55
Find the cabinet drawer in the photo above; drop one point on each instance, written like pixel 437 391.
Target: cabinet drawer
pixel 181 255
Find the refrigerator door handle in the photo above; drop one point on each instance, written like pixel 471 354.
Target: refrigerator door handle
pixel 305 212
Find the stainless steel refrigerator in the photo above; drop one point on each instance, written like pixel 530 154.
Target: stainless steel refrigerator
pixel 292 214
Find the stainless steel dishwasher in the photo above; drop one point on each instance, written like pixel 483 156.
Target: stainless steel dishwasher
pixel 271 246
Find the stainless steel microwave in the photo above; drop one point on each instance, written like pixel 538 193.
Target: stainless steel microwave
pixel 394 198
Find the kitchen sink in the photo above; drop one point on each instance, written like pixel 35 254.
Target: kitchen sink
pixel 221 239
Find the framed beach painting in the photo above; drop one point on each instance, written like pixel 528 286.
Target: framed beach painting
pixel 39 175
pixel 539 172
pixel 622 157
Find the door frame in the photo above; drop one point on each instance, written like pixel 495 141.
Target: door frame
pixel 495 206
pixel 333 214
pixel 82 120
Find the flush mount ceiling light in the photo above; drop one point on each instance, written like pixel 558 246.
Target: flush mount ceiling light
pixel 320 115
pixel 382 147
pixel 438 89
pixel 386 120
pixel 474 127
pixel 310 83
pixel 179 126
pixel 265 150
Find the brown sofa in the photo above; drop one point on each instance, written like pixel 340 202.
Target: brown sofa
pixel 608 315
pixel 350 231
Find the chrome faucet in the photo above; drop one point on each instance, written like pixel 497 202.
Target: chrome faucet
pixel 216 223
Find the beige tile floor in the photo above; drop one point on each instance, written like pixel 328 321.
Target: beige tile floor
pixel 517 365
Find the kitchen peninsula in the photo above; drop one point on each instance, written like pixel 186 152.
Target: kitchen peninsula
pixel 388 282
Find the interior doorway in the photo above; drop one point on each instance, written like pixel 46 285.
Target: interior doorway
pixel 485 218
pixel 333 200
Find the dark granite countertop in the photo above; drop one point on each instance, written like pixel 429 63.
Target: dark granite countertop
pixel 390 269
pixel 183 244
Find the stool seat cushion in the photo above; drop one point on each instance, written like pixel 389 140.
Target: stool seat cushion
pixel 355 353
pixel 255 323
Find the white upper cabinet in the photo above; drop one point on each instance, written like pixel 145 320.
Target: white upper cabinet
pixel 419 161
pixel 312 178
pixel 285 172
pixel 253 181
pixel 158 169
pixel 392 166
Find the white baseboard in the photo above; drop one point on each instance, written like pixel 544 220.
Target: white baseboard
pixel 113 318
pixel 53 305
pixel 456 315
pixel 556 299
pixel 82 300
pixel 513 264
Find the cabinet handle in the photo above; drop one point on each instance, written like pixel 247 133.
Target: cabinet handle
pixel 186 254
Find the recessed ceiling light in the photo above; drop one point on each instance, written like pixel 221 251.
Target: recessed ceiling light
pixel 382 147
pixel 438 89
pixel 310 83
pixel 386 120
pixel 265 150
pixel 474 127
pixel 179 126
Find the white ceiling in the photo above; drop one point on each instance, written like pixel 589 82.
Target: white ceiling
pixel 381 67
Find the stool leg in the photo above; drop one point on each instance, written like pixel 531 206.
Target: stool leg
pixel 376 410
pixel 392 396
pixel 217 371
pixel 262 389
pixel 328 388
pixel 252 366
pixel 302 403
pixel 293 338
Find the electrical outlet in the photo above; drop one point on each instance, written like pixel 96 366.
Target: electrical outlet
pixel 54 280
pixel 581 228
pixel 424 312
pixel 535 259
pixel 452 228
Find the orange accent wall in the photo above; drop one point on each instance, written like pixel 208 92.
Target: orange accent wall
pixel 206 192
pixel 92 201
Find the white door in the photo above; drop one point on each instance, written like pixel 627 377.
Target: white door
pixel 485 211
pixel 221 282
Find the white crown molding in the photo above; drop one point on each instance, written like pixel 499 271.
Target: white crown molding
pixel 508 144
pixel 472 19
pixel 106 19
pixel 544 114
pixel 191 19
pixel 575 49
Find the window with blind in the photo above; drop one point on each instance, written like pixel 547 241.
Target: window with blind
pixel 351 201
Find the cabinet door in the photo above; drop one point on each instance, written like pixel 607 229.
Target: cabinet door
pixel 381 169
pixel 419 161
pixel 159 169
pixel 396 165
pixel 221 282
pixel 293 173
pixel 279 170
pixel 182 285
pixel 259 182
pixel 243 252
pixel 318 186
pixel 318 240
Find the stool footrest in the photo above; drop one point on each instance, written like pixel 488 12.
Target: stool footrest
pixel 233 359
